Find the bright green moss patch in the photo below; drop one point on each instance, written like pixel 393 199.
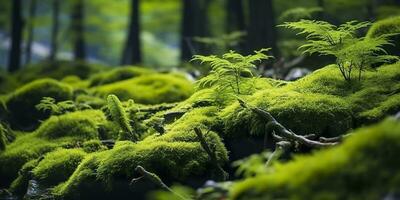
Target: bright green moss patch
pixel 386 26
pixel 118 74
pixel 69 131
pixel 21 103
pixel 365 166
pixel 57 166
pixel 174 156
pixel 149 89
pixel 82 124
pixel 321 103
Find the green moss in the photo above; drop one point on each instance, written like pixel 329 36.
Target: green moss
pixel 57 166
pixel 387 26
pixel 7 82
pixel 174 156
pixel 20 184
pixel 58 70
pixel 149 89
pixel 68 130
pixel 21 103
pixel 82 124
pixel 120 117
pixel 321 103
pixel 365 166
pixel 118 74
pixel 93 146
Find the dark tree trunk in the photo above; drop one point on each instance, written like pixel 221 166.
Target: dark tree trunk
pixel 261 31
pixel 235 15
pixel 54 30
pixel 31 25
pixel 321 4
pixel 16 36
pixel 194 24
pixel 132 51
pixel 77 17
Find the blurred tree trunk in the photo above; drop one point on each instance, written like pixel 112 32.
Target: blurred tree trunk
pixel 31 26
pixel 371 10
pixel 54 30
pixel 16 36
pixel 132 51
pixel 194 24
pixel 77 18
pixel 235 15
pixel 261 31
pixel 235 18
pixel 321 4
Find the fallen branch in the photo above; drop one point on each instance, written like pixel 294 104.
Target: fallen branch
pixel 153 178
pixel 211 154
pixel 274 125
pixel 281 148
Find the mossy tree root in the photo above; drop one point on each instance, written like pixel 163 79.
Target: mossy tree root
pixel 212 155
pixel 284 134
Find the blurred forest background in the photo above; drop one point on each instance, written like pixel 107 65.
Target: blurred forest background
pixel 163 34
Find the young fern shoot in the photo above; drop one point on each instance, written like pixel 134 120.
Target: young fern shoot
pixel 351 52
pixel 228 71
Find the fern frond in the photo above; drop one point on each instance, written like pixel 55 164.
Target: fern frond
pixel 120 117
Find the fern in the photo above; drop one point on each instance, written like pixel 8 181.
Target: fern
pixel 298 13
pixel 120 117
pixel 3 138
pixel 227 71
pixel 351 52
pixel 49 104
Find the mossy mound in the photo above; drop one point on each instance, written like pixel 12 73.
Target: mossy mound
pixel 69 130
pixel 149 89
pixel 58 70
pixel 175 156
pixel 57 166
pixel 321 103
pixel 387 26
pixel 118 74
pixel 365 166
pixel 21 103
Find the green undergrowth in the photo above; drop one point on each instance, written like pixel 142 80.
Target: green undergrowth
pixel 21 103
pixel 365 166
pixel 118 74
pixel 58 70
pixel 69 131
pixel 149 89
pixel 321 103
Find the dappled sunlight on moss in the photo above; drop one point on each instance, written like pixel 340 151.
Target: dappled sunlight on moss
pixel 149 89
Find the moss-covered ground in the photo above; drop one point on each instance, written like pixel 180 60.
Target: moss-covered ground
pixel 70 152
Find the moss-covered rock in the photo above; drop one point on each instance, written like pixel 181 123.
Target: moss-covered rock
pixel 321 103
pixel 174 156
pixel 57 166
pixel 21 103
pixel 365 166
pixel 118 74
pixel 149 89
pixel 69 130
pixel 7 82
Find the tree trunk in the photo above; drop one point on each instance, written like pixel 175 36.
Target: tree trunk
pixel 194 24
pixel 54 30
pixel 261 31
pixel 235 16
pixel 16 36
pixel 77 17
pixel 321 4
pixel 31 25
pixel 132 51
